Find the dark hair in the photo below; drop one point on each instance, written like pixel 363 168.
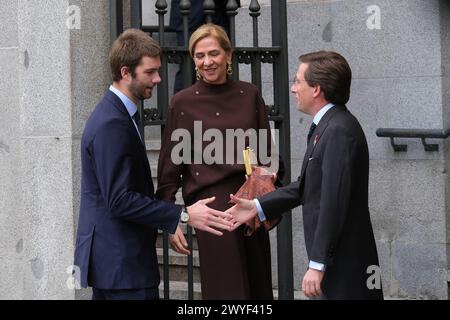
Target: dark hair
pixel 128 50
pixel 331 71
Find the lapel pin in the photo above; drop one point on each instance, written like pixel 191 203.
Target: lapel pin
pixel 316 138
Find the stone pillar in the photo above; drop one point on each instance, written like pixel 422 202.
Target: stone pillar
pixel 445 61
pixel 11 217
pixel 90 77
pixel 45 141
pixel 54 57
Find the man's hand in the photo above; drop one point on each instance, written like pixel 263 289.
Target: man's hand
pixel 178 242
pixel 204 218
pixel 242 211
pixel 311 283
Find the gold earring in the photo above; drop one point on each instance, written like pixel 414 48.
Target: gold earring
pixel 229 69
pixel 198 76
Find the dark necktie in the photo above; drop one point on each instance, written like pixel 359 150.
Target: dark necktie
pixel 311 130
pixel 137 119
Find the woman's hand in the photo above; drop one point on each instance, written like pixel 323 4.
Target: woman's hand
pixel 178 242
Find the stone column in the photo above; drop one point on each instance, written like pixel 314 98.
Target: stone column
pixel 54 59
pixel 90 77
pixel 11 217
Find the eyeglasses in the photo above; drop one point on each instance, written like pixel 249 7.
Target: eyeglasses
pixel 297 81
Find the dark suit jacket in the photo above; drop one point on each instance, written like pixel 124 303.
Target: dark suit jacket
pixel 333 188
pixel 115 246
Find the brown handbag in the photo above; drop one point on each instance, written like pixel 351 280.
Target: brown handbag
pixel 259 182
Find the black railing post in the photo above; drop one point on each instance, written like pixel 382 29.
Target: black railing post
pixel 185 9
pixel 231 8
pixel 116 22
pixel 136 22
pixel 136 14
pixel 163 87
pixel 281 99
pixel 161 10
pixel 256 61
pixel 209 8
pixel 190 259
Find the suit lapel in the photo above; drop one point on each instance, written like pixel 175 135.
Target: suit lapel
pixel 118 104
pixel 318 132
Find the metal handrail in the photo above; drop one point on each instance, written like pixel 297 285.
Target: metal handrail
pixel 413 133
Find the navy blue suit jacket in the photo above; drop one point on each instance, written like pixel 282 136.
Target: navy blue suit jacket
pixel 119 216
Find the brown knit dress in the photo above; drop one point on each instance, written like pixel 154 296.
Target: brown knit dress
pixel 232 266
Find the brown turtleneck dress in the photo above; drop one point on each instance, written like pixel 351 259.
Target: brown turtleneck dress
pixel 232 266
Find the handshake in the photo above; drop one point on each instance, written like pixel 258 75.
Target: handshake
pixel 204 218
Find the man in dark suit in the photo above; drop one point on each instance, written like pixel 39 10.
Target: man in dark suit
pixel 119 216
pixel 332 187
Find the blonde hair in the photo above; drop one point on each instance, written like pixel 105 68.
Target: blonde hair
pixel 210 30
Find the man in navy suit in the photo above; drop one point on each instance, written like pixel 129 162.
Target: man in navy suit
pixel 332 187
pixel 119 216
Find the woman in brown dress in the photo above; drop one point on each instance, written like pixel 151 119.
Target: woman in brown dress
pixel 232 266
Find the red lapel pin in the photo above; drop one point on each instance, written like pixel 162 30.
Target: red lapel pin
pixel 316 138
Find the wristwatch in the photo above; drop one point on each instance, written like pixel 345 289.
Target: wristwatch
pixel 184 215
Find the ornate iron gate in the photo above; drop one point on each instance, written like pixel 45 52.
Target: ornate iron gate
pixel 276 55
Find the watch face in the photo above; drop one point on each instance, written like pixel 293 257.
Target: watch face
pixel 184 216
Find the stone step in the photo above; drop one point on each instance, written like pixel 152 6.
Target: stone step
pixel 178 259
pixel 180 273
pixel 153 147
pixel 154 171
pixel 298 295
pixel 178 291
